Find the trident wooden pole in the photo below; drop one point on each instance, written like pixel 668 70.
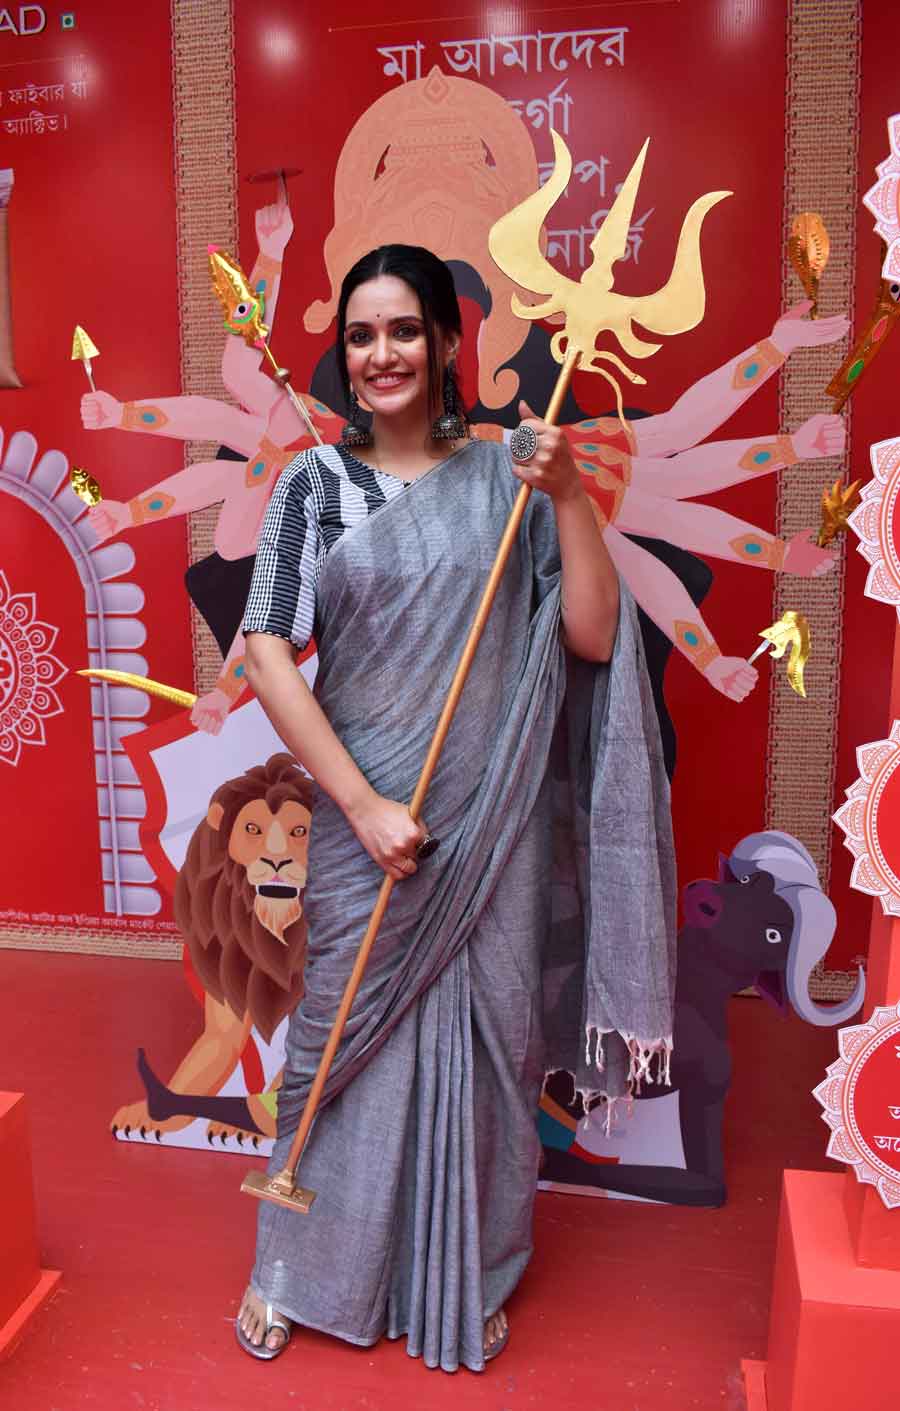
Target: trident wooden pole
pixel 282 1188
pixel 282 377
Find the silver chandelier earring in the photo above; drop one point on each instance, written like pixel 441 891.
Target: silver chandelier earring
pixel 356 432
pixel 451 425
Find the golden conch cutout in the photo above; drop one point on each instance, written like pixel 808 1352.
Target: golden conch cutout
pixel 85 486
pixel 809 248
pixel 590 305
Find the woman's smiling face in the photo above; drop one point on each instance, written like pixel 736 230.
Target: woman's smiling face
pixel 387 348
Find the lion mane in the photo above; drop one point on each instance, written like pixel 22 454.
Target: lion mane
pixel 237 960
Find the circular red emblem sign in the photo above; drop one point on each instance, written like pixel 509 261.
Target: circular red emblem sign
pixel 861 1098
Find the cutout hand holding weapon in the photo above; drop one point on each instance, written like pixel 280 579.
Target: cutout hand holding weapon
pixel 791 630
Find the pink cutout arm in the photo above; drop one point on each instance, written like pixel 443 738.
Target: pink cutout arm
pixel 702 469
pixel 699 411
pixel 235 652
pixel 656 588
pixel 701 528
pixel 204 419
pixel 245 380
pixel 703 408
pixel 196 487
pixel 241 362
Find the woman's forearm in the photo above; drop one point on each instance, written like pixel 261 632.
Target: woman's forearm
pixel 301 722
pixel 590 585
pixel 384 827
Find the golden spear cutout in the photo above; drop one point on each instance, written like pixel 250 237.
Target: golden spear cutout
pixel 791 630
pixel 244 317
pixel 590 308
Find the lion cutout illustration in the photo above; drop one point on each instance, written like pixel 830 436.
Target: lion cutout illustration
pixel 239 905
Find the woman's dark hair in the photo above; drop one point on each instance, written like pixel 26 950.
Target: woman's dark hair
pixel 428 277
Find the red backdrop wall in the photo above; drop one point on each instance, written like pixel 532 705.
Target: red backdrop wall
pixel 92 241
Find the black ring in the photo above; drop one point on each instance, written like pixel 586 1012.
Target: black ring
pixel 427 847
pixel 523 443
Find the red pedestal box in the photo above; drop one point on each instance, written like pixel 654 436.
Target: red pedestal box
pixel 24 1285
pixel 835 1325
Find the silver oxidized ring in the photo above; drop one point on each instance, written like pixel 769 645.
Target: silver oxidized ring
pixel 523 443
pixel 427 846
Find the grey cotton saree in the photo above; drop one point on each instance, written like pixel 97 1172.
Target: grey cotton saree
pixel 539 936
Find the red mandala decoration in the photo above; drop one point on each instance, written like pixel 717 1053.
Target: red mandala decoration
pixel 861 1101
pixel 28 673
pixel 870 820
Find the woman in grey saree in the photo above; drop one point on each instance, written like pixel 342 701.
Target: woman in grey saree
pixel 539 936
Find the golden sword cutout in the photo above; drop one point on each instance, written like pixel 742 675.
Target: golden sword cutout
pixel 141 683
pixel 791 630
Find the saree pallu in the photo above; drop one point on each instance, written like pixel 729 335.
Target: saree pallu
pixel 539 936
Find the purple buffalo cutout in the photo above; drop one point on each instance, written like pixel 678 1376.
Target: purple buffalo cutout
pixel 765 922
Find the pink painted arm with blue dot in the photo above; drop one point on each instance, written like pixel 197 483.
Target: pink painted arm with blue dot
pixel 261 428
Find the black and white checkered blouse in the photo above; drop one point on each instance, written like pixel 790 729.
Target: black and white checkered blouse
pixel 318 496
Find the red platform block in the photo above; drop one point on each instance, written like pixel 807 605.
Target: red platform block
pixel 24 1285
pixel 835 1326
pixel 755 1384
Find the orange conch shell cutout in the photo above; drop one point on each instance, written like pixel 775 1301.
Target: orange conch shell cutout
pixel 808 248
pixel 435 162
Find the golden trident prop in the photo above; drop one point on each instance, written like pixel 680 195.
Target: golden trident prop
pixel 590 307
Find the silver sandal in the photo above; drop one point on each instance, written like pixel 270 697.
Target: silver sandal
pixel 273 1320
pixel 497 1347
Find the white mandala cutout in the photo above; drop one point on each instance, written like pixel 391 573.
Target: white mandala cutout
pixel 28 673
pixel 869 834
pixel 873 522
pixel 883 200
